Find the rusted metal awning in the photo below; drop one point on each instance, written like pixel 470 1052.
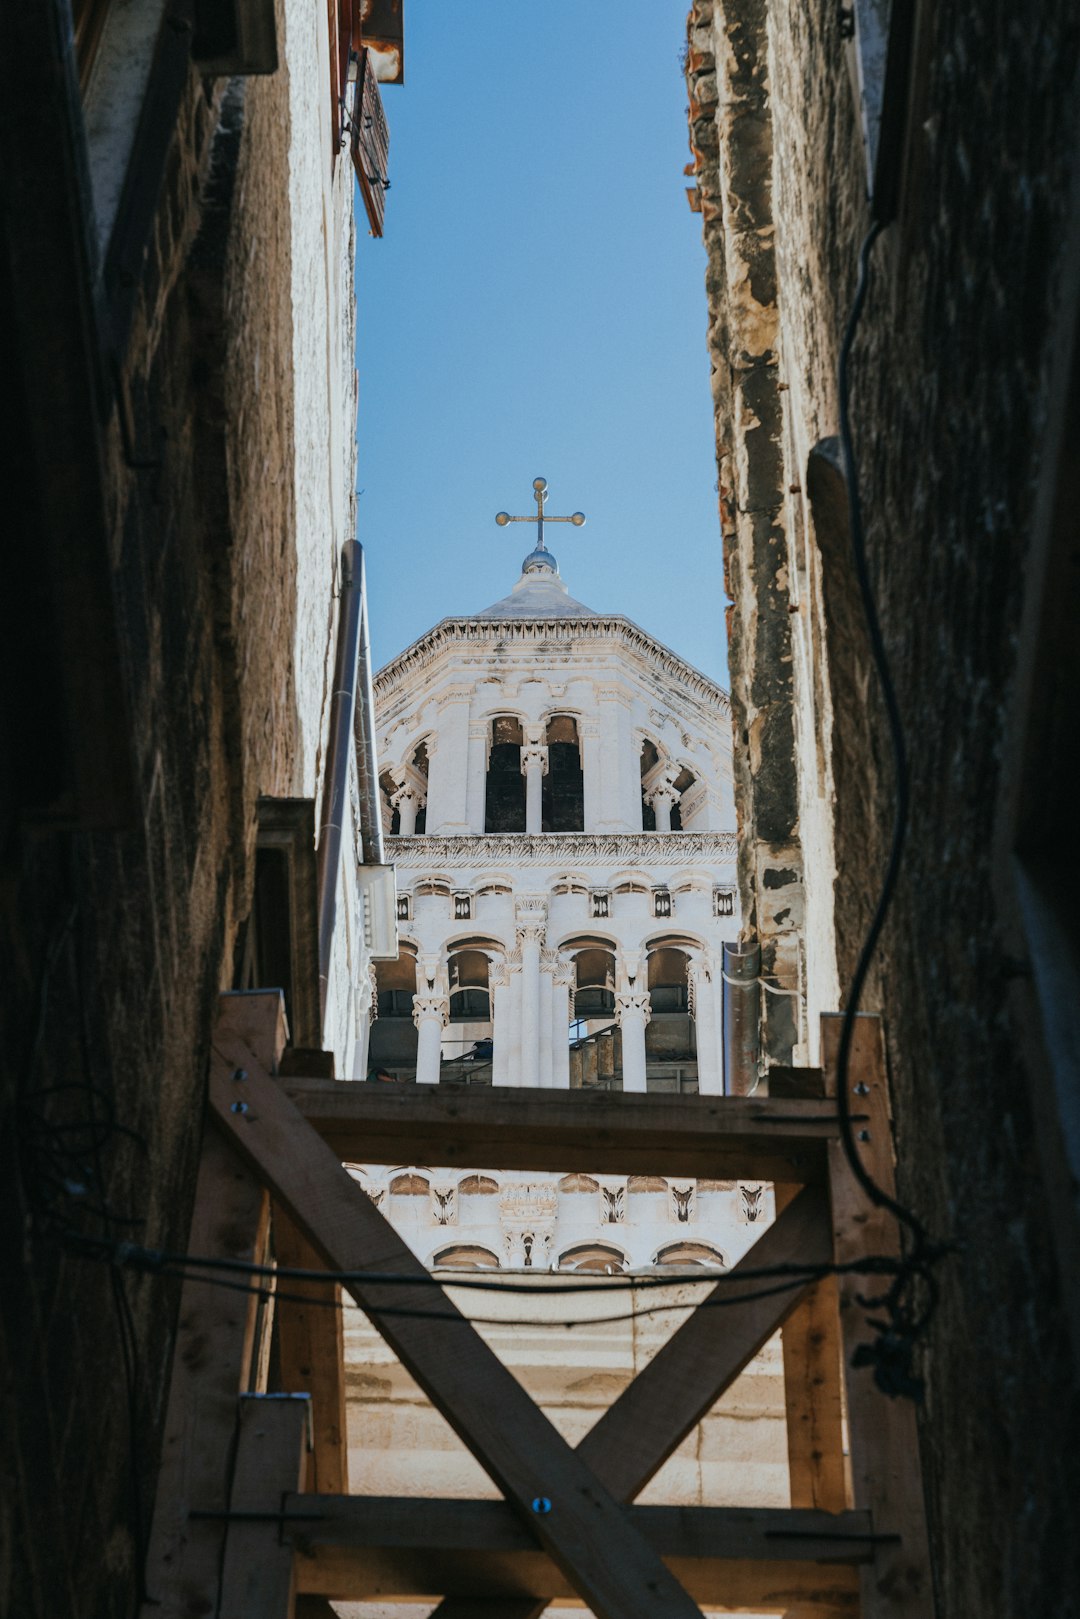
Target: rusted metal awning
pixel 382 32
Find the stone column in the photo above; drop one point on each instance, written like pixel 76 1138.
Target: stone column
pixel 563 979
pixel 476 792
pixel 431 1013
pixel 534 764
pixel 702 1006
pixel 548 959
pixel 448 768
pixel 531 920
pixel 589 743
pixel 499 991
pixel 632 1011
pixel 662 799
pixel 716 995
pixel 408 801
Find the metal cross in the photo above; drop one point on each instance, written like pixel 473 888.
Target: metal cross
pixel 540 495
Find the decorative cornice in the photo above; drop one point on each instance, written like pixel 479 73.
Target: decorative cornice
pixel 528 632
pixel 506 850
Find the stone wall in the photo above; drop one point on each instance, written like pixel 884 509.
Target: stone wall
pixel 115 944
pixel 949 401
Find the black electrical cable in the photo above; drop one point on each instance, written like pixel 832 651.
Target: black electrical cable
pixel 891 1355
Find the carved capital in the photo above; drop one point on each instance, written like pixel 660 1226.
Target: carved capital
pixel 632 1003
pixel 564 972
pixel 530 915
pixel 535 754
pixel 409 793
pixel 431 1006
pixel 498 975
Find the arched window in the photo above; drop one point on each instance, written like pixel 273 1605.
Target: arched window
pixel 469 998
pixel 689 1253
pixel 670 1038
pixel 650 758
pixel 594 1256
pixel 465 1256
pixel 504 800
pixel 563 799
pixel 392 1048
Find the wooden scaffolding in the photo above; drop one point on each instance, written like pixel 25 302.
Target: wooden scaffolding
pixel 253 1517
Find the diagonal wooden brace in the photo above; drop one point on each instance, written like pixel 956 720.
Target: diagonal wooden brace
pixel 699 1362
pixel 584 1530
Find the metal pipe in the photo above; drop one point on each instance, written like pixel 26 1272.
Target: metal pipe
pixel 367 764
pixel 336 788
pixel 742 1018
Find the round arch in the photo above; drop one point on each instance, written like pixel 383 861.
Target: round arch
pixel 599 1258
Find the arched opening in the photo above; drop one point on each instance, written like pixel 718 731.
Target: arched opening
pixel 682 784
pixel 465 1256
pixel 420 765
pixel 467 1040
pixel 595 1042
pixel 650 758
pixel 413 776
pixel 392 1046
pixel 596 1257
pixel 690 1253
pixel 563 797
pixel 670 1039
pixel 504 794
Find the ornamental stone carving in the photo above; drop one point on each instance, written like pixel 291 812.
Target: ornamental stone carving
pixel 444 1204
pixel 530 916
pixel 533 756
pixel 533 1203
pixel 431 1006
pixel 683 1201
pixel 629 1003
pixel 502 850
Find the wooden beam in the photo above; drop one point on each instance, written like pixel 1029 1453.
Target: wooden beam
pixel 760 1559
pixel 883 1438
pixel 588 1536
pixel 812 1397
pixel 211 1352
pixel 729 1137
pixel 311 1347
pixel 685 1378
pixel 258 1579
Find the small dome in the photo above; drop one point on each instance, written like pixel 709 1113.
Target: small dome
pixel 539 561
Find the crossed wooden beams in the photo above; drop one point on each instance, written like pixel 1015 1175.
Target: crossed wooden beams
pixel 252 1505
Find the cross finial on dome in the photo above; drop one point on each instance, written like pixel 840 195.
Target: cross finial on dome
pixel 540 557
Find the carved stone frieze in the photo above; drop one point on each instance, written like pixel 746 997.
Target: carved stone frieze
pixel 527 633
pixel 501 850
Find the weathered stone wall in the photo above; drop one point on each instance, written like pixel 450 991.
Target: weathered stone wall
pixel 115 944
pixel 948 403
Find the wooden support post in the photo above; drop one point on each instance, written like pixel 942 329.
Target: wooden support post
pixel 258 1578
pixel 212 1351
pixel 883 1437
pixel 311 1350
pixel 812 1373
pixel 590 1539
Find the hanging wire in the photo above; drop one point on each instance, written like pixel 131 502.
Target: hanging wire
pixel 891 1354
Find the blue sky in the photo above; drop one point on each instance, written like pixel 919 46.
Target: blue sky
pixel 537 307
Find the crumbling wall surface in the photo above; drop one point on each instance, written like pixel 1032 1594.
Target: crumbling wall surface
pixel 948 405
pixel 115 944
pixel 731 134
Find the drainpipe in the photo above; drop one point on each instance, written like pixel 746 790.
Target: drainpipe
pixel 336 789
pixel 742 1018
pixel 367 766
